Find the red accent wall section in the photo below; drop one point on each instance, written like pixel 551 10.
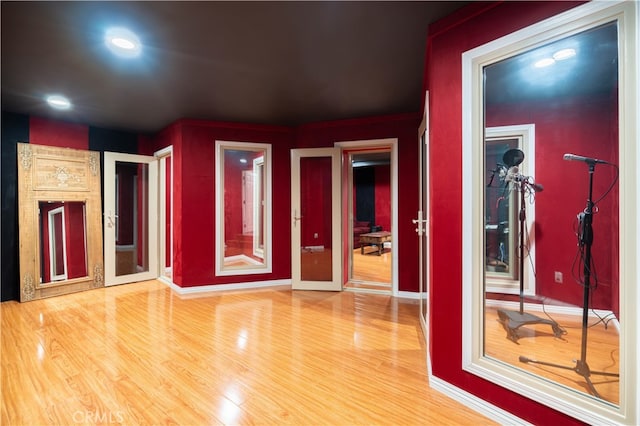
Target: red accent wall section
pixel 448 39
pixel 404 127
pixel 383 196
pixel 76 257
pixel 44 131
pixel 194 196
pixel 170 136
pixel 579 126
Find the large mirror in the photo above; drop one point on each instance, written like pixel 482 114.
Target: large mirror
pixel 63 240
pixel 549 314
pixel 130 221
pixel 243 208
pixel 59 218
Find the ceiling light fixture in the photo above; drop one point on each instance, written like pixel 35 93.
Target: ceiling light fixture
pixel 123 42
pixel 58 102
pixel 563 54
pixel 545 62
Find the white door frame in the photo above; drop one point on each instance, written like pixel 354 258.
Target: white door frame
pixel 165 271
pixel 110 217
pixel 336 230
pixel 391 143
pixel 422 221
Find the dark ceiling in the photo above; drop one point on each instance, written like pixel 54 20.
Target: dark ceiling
pixel 283 63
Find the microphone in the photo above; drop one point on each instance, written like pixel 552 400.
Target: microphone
pixel 537 187
pixel 513 174
pixel 573 157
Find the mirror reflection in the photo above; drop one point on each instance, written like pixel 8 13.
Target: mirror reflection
pixel 243 208
pixel 63 241
pixel 500 213
pixel 551 227
pixel 131 224
pixel 370 198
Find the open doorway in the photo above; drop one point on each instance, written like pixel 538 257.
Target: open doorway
pixel 370 235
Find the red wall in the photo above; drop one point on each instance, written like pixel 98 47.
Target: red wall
pixel 382 191
pixel 404 127
pixel 571 126
pixel 168 219
pixel 233 192
pixel 76 256
pixel 472 26
pixel 194 193
pixel 315 201
pixel 194 196
pixel 43 131
pixel 125 174
pixel 193 183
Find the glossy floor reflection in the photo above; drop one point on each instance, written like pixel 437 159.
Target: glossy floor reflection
pixel 140 354
pixel 537 342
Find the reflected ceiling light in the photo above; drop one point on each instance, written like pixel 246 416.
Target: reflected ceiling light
pixel 545 62
pixel 58 102
pixel 123 42
pixel 563 54
pixel 243 160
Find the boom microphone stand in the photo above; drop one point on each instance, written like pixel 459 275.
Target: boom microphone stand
pixel 513 320
pixel 586 239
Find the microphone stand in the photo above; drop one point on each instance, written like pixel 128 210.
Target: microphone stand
pixel 513 320
pixel 581 367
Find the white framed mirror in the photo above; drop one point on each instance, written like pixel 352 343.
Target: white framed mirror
pixel 567 337
pixel 502 268
pixel 243 208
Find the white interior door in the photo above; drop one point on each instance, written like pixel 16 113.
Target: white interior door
pixel 165 213
pixel 316 244
pixel 422 221
pixel 130 218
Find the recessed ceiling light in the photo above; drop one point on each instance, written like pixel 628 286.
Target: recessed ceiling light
pixel 545 62
pixel 58 102
pixel 123 42
pixel 564 54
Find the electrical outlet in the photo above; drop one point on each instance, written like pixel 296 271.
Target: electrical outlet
pixel 315 235
pixel 558 277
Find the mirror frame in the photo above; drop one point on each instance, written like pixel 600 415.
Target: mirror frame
pixel 57 174
pixel 576 404
pixel 266 266
pixel 509 283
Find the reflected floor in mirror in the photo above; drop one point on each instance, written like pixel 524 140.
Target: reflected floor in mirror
pixel 371 271
pixel 141 354
pixel 537 342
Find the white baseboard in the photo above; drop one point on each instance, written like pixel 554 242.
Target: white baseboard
pixel 225 287
pixel 408 295
pixel 252 285
pixel 242 258
pixel 475 403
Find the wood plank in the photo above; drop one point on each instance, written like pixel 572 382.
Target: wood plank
pixel 140 353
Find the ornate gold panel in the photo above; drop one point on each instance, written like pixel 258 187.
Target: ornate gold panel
pixel 58 177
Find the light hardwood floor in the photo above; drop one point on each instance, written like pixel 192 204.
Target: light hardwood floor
pixel 371 271
pixel 140 354
pixel 537 342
